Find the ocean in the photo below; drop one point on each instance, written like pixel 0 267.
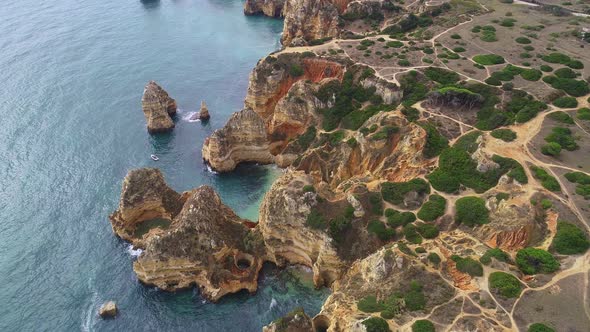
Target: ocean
pixel 72 73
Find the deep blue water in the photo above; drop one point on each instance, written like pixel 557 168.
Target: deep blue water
pixel 72 74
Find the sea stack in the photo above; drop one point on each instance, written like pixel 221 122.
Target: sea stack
pixel 108 310
pixel 204 112
pixel 158 108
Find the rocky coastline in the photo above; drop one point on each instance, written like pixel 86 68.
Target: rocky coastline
pixel 372 198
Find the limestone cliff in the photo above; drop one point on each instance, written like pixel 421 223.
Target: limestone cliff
pixel 145 196
pixel 272 8
pixel 204 242
pixel 295 321
pixel 158 108
pixel 242 139
pixel 283 215
pixel 307 20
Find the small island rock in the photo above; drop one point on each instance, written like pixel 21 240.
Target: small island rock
pixel 108 310
pixel 158 108
pixel 204 112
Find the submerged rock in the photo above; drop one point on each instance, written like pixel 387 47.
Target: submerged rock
pixel 158 108
pixel 108 310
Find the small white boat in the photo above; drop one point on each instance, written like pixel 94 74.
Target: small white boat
pixel 154 157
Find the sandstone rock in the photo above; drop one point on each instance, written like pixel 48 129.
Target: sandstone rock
pixel 272 8
pixel 283 214
pixel 295 321
pixel 158 108
pixel 108 310
pixel 243 138
pixel 204 112
pixel 144 196
pixel 205 245
pixel 311 19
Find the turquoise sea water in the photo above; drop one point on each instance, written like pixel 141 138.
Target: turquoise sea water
pixel 71 125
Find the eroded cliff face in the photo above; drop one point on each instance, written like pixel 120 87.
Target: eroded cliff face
pixel 242 139
pixel 288 240
pixel 271 8
pixel 204 242
pixel 145 196
pixel 158 108
pixel 307 20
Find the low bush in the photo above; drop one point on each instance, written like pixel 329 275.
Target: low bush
pixel 565 73
pixel 546 68
pixel 378 228
pixel 496 253
pixel 369 304
pixel 394 192
pixel 551 149
pixel 584 113
pixel 423 325
pixel 468 265
pixel 523 40
pixel 562 117
pixel 573 87
pixel 434 258
pixel 435 142
pixel 505 284
pixel 506 135
pixel 562 136
pixel 441 76
pixel 316 220
pixel 540 327
pixel 547 181
pixel 489 59
pixel 376 324
pixel 296 70
pixel 376 203
pixel 432 209
pixel 566 102
pixel 471 211
pixel 533 261
pixel 428 231
pixel 396 218
pixel 411 234
pixel 569 239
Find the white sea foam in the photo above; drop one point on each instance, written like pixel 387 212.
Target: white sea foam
pixel 273 304
pixel 88 314
pixel 210 170
pixel 188 117
pixel 134 252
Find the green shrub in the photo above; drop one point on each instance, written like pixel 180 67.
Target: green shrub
pixel 420 250
pixel 432 209
pixel 411 113
pixel 506 284
pixel 531 74
pixel 489 59
pixel 434 258
pixel 506 135
pixel 355 119
pixel 404 63
pixel 316 220
pixel 441 76
pixel 394 192
pixel 584 113
pixel 540 327
pixel 562 117
pixel 395 44
pixel 488 36
pixel 456 36
pixel 565 102
pixel 376 324
pixel 565 73
pixel 378 228
pixel 551 149
pixel 414 298
pixel 471 211
pixel 295 70
pixel 523 40
pixel 533 261
pixel 376 203
pixel 547 181
pixel 305 139
pixel 308 189
pixel 428 231
pixel 435 142
pixel 569 239
pixel 563 59
pixel 576 88
pixel 411 234
pixel 468 265
pixel 423 325
pixel 369 304
pixel 396 218
pixel 405 249
pixel 496 253
pixel 458 49
pixel 562 136
pixel 385 133
pixel 546 204
pixel 546 68
pixel 502 196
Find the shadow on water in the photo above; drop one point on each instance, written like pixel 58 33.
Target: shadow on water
pixel 150 4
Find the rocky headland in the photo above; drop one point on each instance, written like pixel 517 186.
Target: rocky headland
pixel 158 108
pixel 412 188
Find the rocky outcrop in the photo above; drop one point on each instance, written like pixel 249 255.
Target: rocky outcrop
pixel 283 215
pixel 145 196
pixel 204 246
pixel 271 8
pixel 108 310
pixel 307 20
pixel 295 321
pixel 205 242
pixel 381 274
pixel 204 112
pixel 242 139
pixel 158 108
